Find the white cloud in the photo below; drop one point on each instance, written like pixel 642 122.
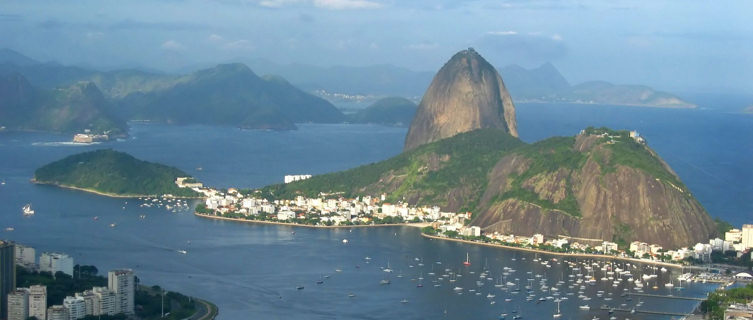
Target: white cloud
pixel 422 46
pixel 215 37
pixel 346 4
pixel 503 33
pixel 556 37
pixel 172 45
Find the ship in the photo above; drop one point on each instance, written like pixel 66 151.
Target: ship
pixel 28 211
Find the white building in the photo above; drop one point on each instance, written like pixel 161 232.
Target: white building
pixel 747 236
pixel 122 282
pixel 18 304
pixel 296 177
pixel 25 256
pixel 475 231
pixel 734 235
pixel 537 239
pixel 76 307
pixel 53 262
pixel 108 301
pixel 57 312
pixel 38 301
pixel 607 246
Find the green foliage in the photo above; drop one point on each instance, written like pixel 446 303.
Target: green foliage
pixel 722 226
pixel 387 111
pixel 61 285
pixel 718 301
pixel 150 305
pixel 622 234
pixel 113 172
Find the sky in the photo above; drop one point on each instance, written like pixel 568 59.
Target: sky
pixel 680 45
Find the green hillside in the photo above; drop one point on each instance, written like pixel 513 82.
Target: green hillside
pixel 392 111
pixel 113 173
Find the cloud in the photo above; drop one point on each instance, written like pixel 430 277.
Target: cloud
pixel 346 4
pixel 172 45
pixel 515 47
pixel 324 4
pixel 215 37
pixel 422 46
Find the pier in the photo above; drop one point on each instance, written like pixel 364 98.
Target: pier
pixel 663 313
pixel 665 296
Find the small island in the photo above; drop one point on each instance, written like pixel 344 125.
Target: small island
pixel 115 174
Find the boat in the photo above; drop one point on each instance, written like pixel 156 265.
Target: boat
pixel 10 229
pixel 28 211
pixel 112 225
pixel 299 288
pixel 345 241
pixel 182 251
pixel 351 295
pixel 467 261
pixel 584 307
pixel 558 314
pixel 404 301
pixel 385 281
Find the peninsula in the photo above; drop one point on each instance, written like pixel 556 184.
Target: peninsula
pixel 115 174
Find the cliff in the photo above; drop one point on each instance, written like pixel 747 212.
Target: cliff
pixel 466 94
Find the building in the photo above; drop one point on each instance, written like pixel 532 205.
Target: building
pixel 738 311
pixel 607 246
pixel 18 304
pixel 57 312
pixel 747 236
pixel 38 301
pixel 76 307
pixel 108 301
pixel 122 282
pixel 734 236
pixel 25 256
pixel 7 274
pixel 56 262
pixel 91 301
pixel 296 177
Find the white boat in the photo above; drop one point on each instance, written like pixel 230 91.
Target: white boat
pixel 182 251
pixel 28 211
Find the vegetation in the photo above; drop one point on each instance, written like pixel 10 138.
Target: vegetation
pixel 722 226
pixel 113 172
pixel 718 301
pixel 148 301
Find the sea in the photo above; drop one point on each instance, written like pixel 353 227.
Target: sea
pixel 254 271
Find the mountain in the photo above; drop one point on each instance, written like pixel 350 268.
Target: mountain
pixel 601 184
pixel 466 94
pixel 229 94
pixel 66 110
pixel 546 84
pixel 544 81
pixel 392 111
pixel 377 80
pixel 112 173
pixel 13 57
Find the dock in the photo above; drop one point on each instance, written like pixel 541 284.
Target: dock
pixel 664 296
pixel 663 313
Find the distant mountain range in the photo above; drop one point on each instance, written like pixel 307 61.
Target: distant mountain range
pixel 391 111
pixel 74 108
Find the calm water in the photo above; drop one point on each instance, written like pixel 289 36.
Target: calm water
pixel 251 271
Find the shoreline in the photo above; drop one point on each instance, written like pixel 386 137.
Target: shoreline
pixel 565 254
pixel 106 194
pixel 681 107
pixel 292 224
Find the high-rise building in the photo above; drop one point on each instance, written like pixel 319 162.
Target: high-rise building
pixel 25 256
pixel 122 282
pixel 38 302
pixel 747 236
pixel 7 275
pixel 108 301
pixel 91 301
pixel 76 307
pixel 57 312
pixel 53 262
pixel 18 304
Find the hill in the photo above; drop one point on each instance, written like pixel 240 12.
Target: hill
pixel 601 184
pixel 466 94
pixel 66 110
pixel 392 111
pixel 112 173
pixel 229 94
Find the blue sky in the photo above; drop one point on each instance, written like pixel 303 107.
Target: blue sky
pixel 672 45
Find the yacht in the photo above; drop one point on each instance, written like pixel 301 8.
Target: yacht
pixel 28 211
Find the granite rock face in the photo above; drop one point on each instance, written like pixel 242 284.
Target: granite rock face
pixel 465 95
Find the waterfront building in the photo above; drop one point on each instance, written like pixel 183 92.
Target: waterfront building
pixel 607 246
pixel 122 282
pixel 747 236
pixel 38 301
pixel 734 235
pixel 57 312
pixel 18 304
pixel 53 262
pixel 739 311
pixel 76 307
pixel 108 301
pixel 25 256
pixel 7 274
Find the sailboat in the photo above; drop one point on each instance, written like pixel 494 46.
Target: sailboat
pixel 558 314
pixel 467 261
pixel 28 211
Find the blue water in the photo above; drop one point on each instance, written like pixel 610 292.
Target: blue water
pixel 251 271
